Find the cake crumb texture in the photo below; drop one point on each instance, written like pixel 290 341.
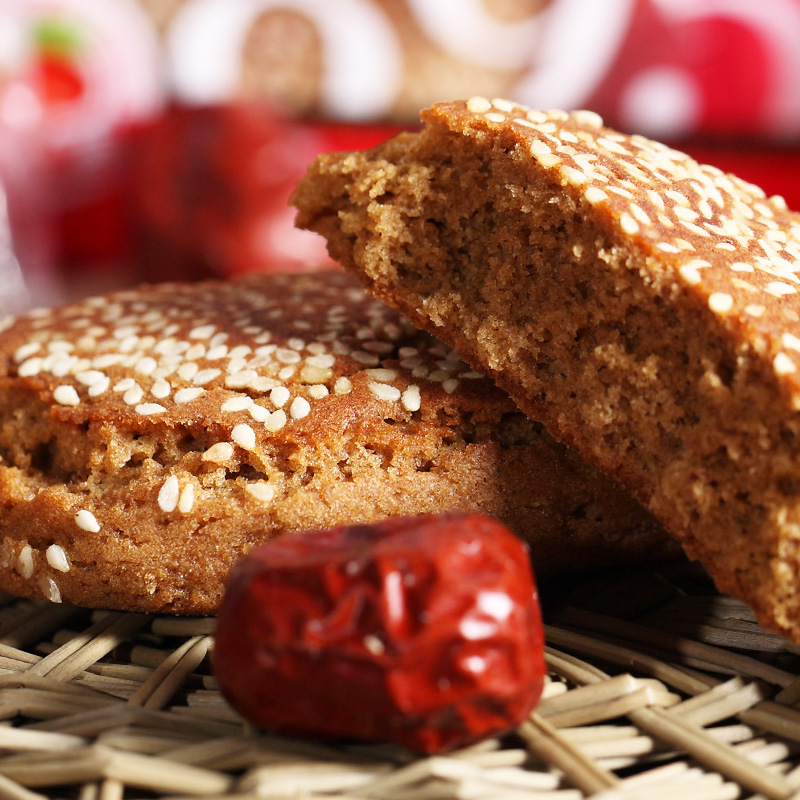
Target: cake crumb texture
pixel 641 305
pixel 151 436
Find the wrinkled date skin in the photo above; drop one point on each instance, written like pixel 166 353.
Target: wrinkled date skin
pixel 425 631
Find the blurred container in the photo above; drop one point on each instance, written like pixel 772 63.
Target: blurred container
pixel 670 68
pixel 73 73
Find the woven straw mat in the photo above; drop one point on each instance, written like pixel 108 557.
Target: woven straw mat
pixel 658 688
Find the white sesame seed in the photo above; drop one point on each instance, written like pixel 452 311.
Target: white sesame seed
pixel 133 395
pixel 244 436
pixel 25 561
pixel 754 310
pixel 286 356
pixel 589 118
pixel 275 421
pixel 502 104
pixel 219 453
pixel 87 521
pixel 26 351
pixel 279 396
pixel 168 494
pixel 342 386
pixel 450 385
pixel 216 353
pixel 205 376
pixel 549 159
pixel 779 289
pixel 311 374
pixel 420 371
pixel 148 409
pixel 299 408
pixel 195 351
pixel 60 346
pixel 99 388
pixel 318 391
pixel 108 360
pixel 639 214
pixel 202 332
pixel 240 402
pixel 160 389
pixel 720 302
pixel 384 391
pixel 628 223
pixel 66 395
pixel 240 351
pixel 783 365
pixel 262 384
pixel 478 105
pixel 123 332
pixel 57 558
pixel 656 199
pixel 690 275
pixel 261 491
pixel 685 214
pixel 494 117
pixel 791 341
pixel 30 367
pixel 50 589
pixel 90 376
pixel 188 370
pixel 188 394
pixel 146 365
pixel 258 413
pixel 679 198
pixel 286 373
pixel 186 500
pixel 411 398
pixel 594 195
pixel 321 361
pixel 240 379
pixel 574 176
pixel 364 358
pixel 124 385
pixel 382 375
pixel 128 345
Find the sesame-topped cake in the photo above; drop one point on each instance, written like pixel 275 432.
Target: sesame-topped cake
pixel 150 436
pixel 641 305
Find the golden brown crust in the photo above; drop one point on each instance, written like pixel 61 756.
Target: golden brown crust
pixel 643 306
pixel 150 436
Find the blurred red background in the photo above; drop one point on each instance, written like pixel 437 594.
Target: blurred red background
pixel 160 139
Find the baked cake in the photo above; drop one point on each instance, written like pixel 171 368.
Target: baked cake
pixel 641 305
pixel 150 436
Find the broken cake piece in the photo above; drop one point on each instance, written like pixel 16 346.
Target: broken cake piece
pixel 641 305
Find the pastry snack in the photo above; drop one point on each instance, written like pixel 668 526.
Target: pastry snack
pixel 150 436
pixel 642 306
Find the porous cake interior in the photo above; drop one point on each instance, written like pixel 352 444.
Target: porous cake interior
pixel 610 352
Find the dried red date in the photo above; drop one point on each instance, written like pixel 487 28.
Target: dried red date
pixel 424 631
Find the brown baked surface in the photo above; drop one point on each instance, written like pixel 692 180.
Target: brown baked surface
pixel 644 307
pixel 150 436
